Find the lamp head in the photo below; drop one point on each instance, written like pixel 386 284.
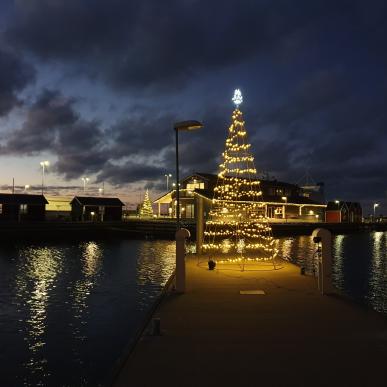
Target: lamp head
pixel 188 125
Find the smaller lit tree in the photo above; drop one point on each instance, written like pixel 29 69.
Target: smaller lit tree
pixel 146 210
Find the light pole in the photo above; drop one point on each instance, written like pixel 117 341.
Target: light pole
pixel 375 205
pixel 168 175
pixel 184 125
pixel 85 180
pixel 44 164
pixel 285 198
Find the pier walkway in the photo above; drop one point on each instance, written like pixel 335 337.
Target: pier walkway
pixel 290 336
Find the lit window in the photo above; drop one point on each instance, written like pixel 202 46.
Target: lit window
pixel 1 208
pixel 195 185
pixel 23 209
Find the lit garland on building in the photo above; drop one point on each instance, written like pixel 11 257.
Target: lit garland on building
pixel 237 229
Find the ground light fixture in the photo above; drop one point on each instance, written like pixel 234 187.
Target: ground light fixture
pixel 182 126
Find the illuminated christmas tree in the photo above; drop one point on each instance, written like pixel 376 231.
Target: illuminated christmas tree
pixel 237 229
pixel 146 210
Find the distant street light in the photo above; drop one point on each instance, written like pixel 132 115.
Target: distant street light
pixel 100 190
pixel 168 175
pixel 26 187
pixel 285 198
pixel 179 126
pixel 44 164
pixel 375 205
pixel 85 180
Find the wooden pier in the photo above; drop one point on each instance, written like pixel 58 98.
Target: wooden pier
pixel 284 334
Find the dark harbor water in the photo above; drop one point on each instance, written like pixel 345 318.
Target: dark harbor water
pixel 68 310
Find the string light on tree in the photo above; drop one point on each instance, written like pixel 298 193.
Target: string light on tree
pixel 237 229
pixel 146 210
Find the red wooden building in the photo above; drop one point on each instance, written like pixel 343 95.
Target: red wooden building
pixel 343 212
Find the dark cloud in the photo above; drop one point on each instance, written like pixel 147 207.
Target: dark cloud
pixel 314 75
pixel 141 43
pixel 130 172
pixel 53 125
pixel 15 74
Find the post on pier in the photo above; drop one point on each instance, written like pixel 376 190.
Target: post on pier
pixel 181 235
pixel 324 237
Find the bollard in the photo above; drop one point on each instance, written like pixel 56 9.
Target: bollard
pixel 325 263
pixel 181 236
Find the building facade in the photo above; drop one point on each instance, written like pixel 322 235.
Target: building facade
pixel 282 202
pixel 96 209
pixel 343 212
pixel 22 207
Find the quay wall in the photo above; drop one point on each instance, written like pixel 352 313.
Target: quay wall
pixel 153 229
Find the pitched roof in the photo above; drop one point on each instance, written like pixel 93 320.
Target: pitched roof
pixel 6 198
pixel 97 201
pixel 333 206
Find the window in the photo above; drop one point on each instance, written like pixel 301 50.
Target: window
pixel 190 211
pixel 195 185
pixel 1 208
pixel 23 209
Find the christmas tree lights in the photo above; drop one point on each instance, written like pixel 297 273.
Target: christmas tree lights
pixel 237 230
pixel 146 210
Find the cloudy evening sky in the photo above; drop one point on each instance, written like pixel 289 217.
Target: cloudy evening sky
pixel 95 86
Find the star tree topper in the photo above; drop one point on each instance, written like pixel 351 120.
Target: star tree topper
pixel 237 99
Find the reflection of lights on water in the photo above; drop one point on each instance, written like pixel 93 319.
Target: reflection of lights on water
pixel 91 257
pixel 91 262
pixel 286 248
pixel 377 251
pixel 338 261
pixel 378 273
pixel 38 270
pixel 155 263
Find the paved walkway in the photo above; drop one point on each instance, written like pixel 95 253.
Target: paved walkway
pixel 291 336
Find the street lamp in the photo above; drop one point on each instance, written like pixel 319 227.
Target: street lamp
pixel 188 126
pixel 100 190
pixel 44 164
pixel 285 198
pixel 85 180
pixel 375 205
pixel 168 175
pixel 26 187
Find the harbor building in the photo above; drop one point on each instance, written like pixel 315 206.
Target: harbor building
pixel 22 207
pixel 58 207
pixel 283 202
pixel 96 209
pixel 343 212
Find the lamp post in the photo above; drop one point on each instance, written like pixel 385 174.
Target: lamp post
pixel 43 164
pixel 285 198
pixel 188 126
pixel 375 205
pixel 85 180
pixel 168 175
